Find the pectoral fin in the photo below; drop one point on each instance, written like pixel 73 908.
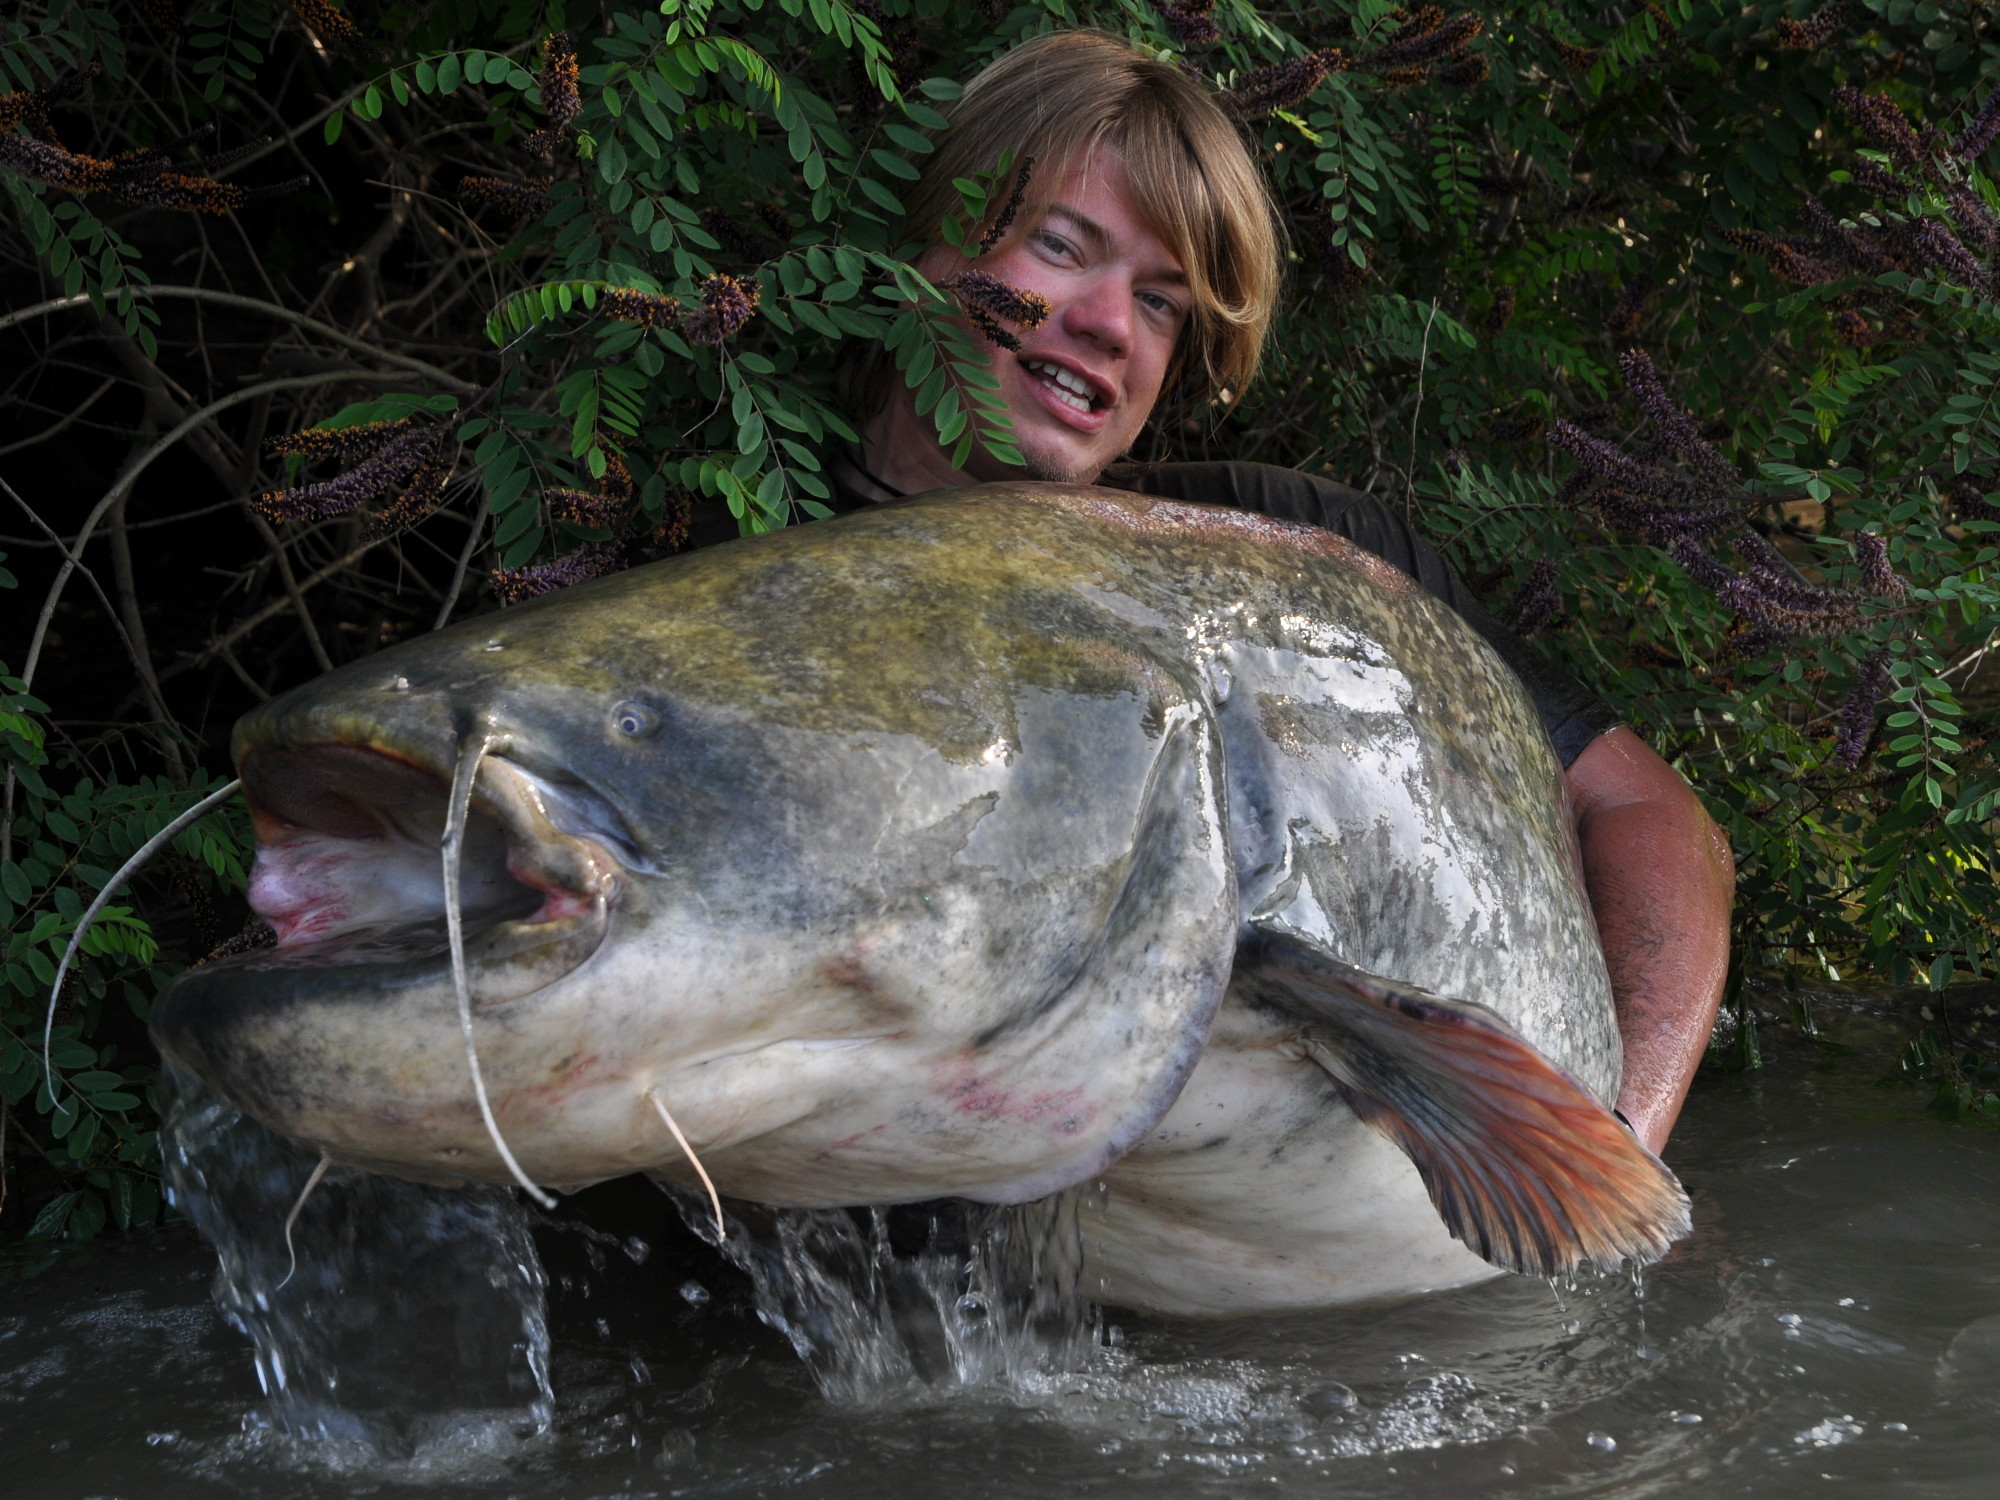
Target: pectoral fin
pixel 1526 1168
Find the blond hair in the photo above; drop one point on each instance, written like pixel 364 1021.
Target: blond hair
pixel 1060 97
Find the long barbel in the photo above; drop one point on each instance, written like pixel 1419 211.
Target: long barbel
pixel 125 872
pixel 462 778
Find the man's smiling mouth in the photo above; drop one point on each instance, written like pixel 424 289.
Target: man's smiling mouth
pixel 1073 390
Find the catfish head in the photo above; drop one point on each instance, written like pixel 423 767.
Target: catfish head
pixel 887 856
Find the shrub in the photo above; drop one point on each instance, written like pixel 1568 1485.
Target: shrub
pixel 1674 324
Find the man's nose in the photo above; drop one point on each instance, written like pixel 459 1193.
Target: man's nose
pixel 1101 311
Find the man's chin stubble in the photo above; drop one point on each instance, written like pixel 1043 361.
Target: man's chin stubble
pixel 1052 468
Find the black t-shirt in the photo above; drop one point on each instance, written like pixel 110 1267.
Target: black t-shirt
pixel 1572 713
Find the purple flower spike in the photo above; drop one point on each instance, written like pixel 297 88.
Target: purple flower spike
pixel 1192 23
pixel 1938 248
pixel 1871 551
pixel 1815 30
pixel 727 303
pixel 1284 85
pixel 629 305
pixel 516 585
pixel 392 462
pixel 1977 136
pixel 1886 126
pixel 1537 602
pixel 1857 715
pixel 1679 433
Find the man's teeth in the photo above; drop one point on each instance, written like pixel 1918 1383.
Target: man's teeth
pixel 1072 388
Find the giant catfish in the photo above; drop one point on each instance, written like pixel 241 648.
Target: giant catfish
pixel 975 846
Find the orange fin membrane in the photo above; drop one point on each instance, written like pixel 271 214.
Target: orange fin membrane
pixel 1526 1168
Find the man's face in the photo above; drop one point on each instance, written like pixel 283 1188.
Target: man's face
pixel 1084 383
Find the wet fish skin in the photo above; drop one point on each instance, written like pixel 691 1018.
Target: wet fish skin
pixel 923 841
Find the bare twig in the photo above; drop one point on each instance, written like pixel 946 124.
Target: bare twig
pixel 464 562
pixel 291 584
pixel 70 419
pixel 266 309
pixel 124 483
pixel 135 639
pixel 276 607
pixel 174 520
pixel 257 689
pixel 1969 663
pixel 146 675
pixel 1416 410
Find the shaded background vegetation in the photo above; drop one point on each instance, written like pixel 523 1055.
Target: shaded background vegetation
pixel 1674 324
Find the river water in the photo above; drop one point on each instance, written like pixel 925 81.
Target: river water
pixel 1832 1326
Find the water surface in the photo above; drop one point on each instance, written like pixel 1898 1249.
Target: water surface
pixel 1833 1325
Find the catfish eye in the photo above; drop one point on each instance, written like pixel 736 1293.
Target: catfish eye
pixel 634 720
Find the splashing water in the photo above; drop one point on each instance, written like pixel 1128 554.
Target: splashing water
pixel 379 1309
pixel 1836 1317
pixel 882 1303
pixel 394 1308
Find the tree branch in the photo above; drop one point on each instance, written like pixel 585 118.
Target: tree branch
pixel 266 309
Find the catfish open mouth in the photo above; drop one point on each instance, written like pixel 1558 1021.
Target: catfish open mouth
pixel 349 869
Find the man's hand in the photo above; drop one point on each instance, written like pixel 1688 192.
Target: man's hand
pixel 1661 883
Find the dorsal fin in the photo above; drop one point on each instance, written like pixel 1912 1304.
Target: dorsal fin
pixel 1526 1168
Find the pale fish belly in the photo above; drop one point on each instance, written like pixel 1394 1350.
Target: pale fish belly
pixel 1261 1191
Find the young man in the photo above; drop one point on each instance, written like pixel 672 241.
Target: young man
pixel 1150 233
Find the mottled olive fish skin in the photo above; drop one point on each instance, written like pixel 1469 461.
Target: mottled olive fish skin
pixel 917 846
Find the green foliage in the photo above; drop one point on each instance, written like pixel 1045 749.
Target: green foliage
pixel 87 1117
pixel 1613 149
pixel 1967 1083
pixel 1460 254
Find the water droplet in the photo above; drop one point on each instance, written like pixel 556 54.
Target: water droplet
pixel 495 646
pixel 693 1293
pixel 1572 1326
pixel 401 685
pixel 1603 1442
pixel 1329 1398
pixel 1895 1426
pixel 636 1250
pixel 1687 1418
pixel 603 1329
pixel 1506 1471
pixel 676 1450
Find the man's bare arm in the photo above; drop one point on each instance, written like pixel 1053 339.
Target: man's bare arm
pixel 1661 884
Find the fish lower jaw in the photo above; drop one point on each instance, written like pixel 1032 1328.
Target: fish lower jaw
pixel 514 960
pixel 349 871
pixel 506 958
